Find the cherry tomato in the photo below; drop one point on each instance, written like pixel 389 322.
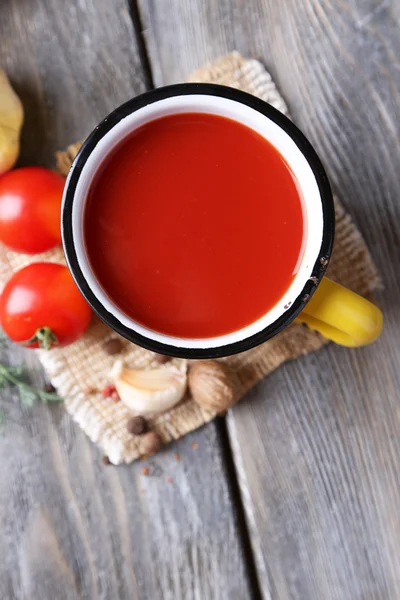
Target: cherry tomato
pixel 30 206
pixel 41 307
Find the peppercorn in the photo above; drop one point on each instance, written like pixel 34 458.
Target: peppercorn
pixel 115 396
pixel 112 346
pixel 136 425
pixel 108 390
pixel 161 358
pixel 89 390
pixel 150 443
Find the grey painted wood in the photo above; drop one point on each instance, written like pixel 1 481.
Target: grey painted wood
pixel 317 444
pixel 72 527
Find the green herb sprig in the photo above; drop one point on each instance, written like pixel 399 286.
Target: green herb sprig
pixel 28 394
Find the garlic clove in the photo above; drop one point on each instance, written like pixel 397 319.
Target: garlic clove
pixel 11 119
pixel 150 391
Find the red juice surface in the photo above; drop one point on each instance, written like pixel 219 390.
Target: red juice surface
pixel 194 226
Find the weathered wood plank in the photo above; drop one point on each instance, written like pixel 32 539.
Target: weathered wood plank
pixel 317 444
pixel 72 527
pixel 69 66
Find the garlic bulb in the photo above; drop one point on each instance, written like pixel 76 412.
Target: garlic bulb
pixel 150 391
pixel 11 119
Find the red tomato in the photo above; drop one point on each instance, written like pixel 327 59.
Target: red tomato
pixel 41 307
pixel 30 207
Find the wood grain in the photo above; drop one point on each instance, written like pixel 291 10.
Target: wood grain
pixel 71 526
pixel 317 444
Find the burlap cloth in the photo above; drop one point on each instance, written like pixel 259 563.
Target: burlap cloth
pixel 84 364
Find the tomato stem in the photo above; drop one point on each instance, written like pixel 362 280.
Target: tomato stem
pixel 45 338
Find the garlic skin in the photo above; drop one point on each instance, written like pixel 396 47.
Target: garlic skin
pixel 150 391
pixel 11 119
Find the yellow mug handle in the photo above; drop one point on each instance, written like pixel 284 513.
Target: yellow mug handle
pixel 341 315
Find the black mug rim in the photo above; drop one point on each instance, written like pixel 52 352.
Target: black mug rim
pixel 298 138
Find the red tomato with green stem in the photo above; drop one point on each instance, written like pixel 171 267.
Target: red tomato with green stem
pixel 30 207
pixel 41 307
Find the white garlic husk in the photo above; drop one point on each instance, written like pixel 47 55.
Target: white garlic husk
pixel 150 391
pixel 11 119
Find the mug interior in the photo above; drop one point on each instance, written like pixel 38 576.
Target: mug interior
pixel 254 119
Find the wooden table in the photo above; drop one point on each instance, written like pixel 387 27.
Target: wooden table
pixel 296 494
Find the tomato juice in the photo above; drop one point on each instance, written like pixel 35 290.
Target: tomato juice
pixel 194 225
